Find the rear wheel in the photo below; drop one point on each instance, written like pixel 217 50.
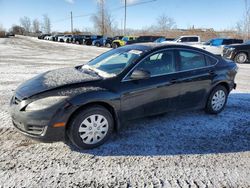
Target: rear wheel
pixel 91 127
pixel 241 58
pixel 108 45
pixel 217 100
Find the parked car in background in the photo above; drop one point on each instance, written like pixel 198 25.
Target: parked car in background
pixel 88 40
pixel 55 37
pixel 42 36
pixel 142 39
pixel 67 38
pixel 163 39
pixel 10 34
pixel 240 53
pixel 123 41
pixel 189 39
pixel 60 38
pixel 108 42
pixel 216 45
pixel 101 41
pixel 47 37
pixel 87 102
pixel 78 39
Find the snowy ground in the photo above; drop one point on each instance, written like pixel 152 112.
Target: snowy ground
pixel 188 149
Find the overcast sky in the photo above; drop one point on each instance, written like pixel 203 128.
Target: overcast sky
pixel 217 14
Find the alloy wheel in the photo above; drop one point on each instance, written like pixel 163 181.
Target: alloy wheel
pixel 241 58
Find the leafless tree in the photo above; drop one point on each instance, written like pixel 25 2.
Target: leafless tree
pixel 46 27
pixel 26 23
pixel 16 29
pixel 36 26
pixel 165 23
pixel 102 20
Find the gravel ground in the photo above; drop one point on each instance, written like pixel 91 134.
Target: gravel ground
pixel 187 149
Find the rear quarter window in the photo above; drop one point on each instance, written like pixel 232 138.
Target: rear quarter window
pixel 211 61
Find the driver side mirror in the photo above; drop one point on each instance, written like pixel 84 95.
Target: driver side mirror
pixel 139 74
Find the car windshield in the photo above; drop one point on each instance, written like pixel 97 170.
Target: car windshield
pixel 125 39
pixel 113 62
pixel 214 42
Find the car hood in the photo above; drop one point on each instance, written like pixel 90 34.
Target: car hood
pixel 236 45
pixel 54 79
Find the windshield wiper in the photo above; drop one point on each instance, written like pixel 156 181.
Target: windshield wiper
pixel 90 70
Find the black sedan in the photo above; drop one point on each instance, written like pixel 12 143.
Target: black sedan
pixel 86 103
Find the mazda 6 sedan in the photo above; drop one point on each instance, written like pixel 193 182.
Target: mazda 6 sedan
pixel 86 103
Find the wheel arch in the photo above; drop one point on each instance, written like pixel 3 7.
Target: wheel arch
pixel 222 83
pixel 106 105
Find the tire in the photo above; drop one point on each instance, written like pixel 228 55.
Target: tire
pixel 115 46
pixel 97 44
pixel 217 100
pixel 84 131
pixel 108 45
pixel 241 58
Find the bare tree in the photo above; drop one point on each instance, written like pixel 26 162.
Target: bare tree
pixel 165 23
pixel 46 24
pixel 36 26
pixel 26 23
pixel 16 29
pixel 103 21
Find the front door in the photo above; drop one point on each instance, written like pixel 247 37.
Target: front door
pixel 153 95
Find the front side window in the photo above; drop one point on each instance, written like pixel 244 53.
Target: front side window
pixel 191 60
pixel 159 63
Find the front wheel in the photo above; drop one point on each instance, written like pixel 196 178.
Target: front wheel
pixel 241 58
pixel 91 127
pixel 217 100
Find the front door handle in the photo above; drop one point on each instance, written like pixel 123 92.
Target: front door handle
pixel 212 72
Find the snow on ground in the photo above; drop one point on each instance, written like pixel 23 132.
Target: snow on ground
pixel 184 149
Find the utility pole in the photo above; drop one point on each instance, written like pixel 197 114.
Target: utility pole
pixel 125 17
pixel 71 16
pixel 102 7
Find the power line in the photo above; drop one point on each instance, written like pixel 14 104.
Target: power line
pixel 112 10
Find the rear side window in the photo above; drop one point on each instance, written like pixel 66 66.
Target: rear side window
pixel 193 39
pixel 191 60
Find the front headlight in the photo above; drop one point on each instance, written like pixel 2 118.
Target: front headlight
pixel 44 103
pixel 231 49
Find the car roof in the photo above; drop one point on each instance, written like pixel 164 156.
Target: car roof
pixel 151 46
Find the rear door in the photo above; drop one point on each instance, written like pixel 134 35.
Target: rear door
pixel 194 78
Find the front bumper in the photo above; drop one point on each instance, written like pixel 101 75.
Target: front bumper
pixel 229 54
pixel 39 125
